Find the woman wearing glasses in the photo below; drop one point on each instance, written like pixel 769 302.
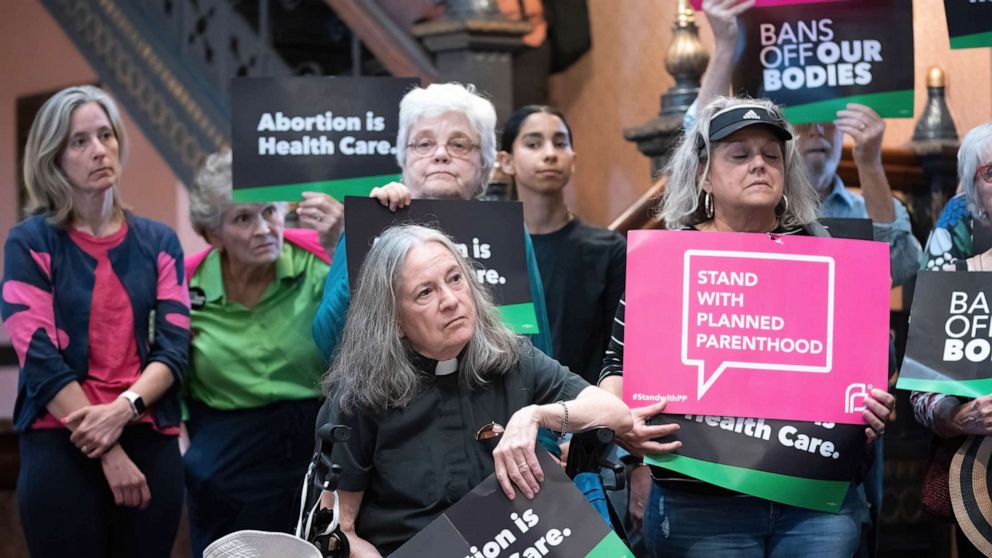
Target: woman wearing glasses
pixel 424 374
pixel 950 244
pixel 446 146
pixel 954 246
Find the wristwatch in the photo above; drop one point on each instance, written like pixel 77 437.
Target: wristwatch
pixel 136 402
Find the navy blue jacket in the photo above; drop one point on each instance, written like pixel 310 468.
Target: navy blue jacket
pixel 47 293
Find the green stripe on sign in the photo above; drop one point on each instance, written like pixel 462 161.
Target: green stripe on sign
pixel 966 388
pixel 820 495
pixel 520 318
pixel 337 189
pixel 972 41
pixel 892 104
pixel 610 547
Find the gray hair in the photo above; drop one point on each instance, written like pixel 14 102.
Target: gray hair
pixel 976 143
pixel 439 98
pixel 372 370
pixel 49 189
pixel 689 167
pixel 210 194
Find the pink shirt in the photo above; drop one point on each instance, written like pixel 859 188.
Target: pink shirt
pixel 114 362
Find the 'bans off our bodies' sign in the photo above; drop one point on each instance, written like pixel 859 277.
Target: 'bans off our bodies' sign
pixel 949 347
pixel 778 327
pixel 815 58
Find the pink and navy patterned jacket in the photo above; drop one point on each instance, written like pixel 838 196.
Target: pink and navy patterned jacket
pixel 47 293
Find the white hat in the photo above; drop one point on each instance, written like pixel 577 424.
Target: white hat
pixel 260 544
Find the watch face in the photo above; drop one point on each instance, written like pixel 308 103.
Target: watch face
pixel 139 405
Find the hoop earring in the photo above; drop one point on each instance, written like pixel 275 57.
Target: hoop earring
pixel 708 205
pixel 785 205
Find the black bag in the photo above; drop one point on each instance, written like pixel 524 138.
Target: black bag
pixel 568 31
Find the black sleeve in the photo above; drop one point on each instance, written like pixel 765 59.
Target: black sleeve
pixel 549 380
pixel 613 359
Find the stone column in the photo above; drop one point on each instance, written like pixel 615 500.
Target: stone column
pixel 474 43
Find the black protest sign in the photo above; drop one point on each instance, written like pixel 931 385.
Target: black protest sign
pixel 949 347
pixel 969 23
pixel 557 523
pixel 814 59
pixel 491 234
pixel 806 464
pixel 854 229
pixel 327 134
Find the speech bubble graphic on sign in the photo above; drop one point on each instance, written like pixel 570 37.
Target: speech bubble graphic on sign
pixel 737 313
pixel 755 325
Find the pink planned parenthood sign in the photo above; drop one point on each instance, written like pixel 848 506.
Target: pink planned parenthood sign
pixel 755 325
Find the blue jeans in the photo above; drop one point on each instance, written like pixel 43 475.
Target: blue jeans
pixel 683 524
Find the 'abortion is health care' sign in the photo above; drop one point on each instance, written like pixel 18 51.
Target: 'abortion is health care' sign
pixel 755 325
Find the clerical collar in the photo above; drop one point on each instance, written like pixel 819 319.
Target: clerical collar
pixel 435 367
pixel 445 367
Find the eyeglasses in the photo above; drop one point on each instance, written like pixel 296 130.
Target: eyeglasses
pixel 488 432
pixel 985 173
pixel 456 147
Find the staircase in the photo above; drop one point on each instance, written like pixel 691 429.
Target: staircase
pixel 169 62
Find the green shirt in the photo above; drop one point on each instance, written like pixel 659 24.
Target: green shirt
pixel 243 358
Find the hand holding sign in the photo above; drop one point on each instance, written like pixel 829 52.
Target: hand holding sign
pixel 970 418
pixel 866 128
pixel 394 195
pixel 722 16
pixel 515 458
pixel 878 408
pixel 640 440
pixel 323 214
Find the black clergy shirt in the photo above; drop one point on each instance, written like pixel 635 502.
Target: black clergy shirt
pixel 421 459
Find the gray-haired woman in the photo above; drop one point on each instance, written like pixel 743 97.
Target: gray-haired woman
pixel 425 372
pixel 951 247
pixel 736 170
pixel 253 391
pixel 446 145
pixel 95 304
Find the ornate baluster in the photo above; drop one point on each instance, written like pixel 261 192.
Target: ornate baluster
pixel 686 60
pixel 935 142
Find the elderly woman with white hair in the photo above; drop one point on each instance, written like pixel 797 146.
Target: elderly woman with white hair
pixel 737 169
pixel 952 246
pixel 425 374
pixel 95 304
pixel 253 391
pixel 446 146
